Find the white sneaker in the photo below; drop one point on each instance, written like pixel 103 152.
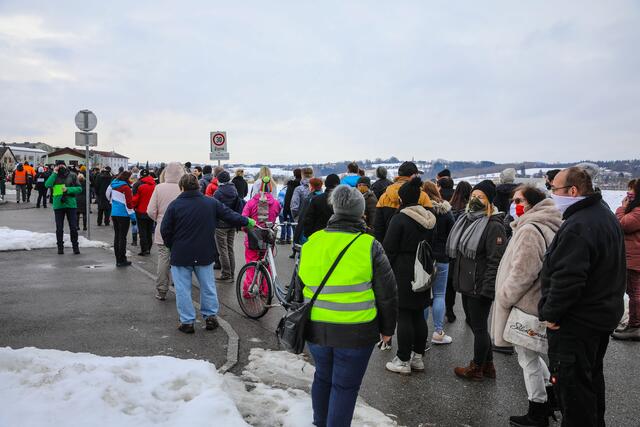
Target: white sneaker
pixel 441 338
pixel 416 363
pixel 398 366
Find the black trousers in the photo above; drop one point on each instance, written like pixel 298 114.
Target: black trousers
pixel 82 213
pixel 106 213
pixel 29 189
pixel 450 296
pixel 479 308
pixel 72 219
pixel 412 333
pixel 42 197
pixel 576 361
pixel 121 229
pixel 145 230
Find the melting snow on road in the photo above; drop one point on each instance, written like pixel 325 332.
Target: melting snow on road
pixel 52 387
pixel 16 240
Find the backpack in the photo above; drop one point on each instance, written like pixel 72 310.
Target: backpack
pixel 263 208
pixel 424 268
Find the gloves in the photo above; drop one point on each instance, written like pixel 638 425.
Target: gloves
pixel 251 223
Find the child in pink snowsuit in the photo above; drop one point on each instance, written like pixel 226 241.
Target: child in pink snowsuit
pixel 251 211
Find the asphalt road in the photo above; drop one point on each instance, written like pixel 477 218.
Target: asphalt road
pixel 53 302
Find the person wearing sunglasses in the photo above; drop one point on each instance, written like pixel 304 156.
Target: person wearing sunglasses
pixel 518 285
pixel 583 285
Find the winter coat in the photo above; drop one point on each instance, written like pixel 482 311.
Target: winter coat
pixel 518 278
pixel 255 188
pixel 121 197
pixel 212 188
pixel 68 199
pixel 300 234
pixel 251 211
pixel 189 225
pixel 103 180
pixel 205 181
pixel 317 215
pixel 477 277
pixel 407 229
pixel 370 202
pixel 630 223
pixel 81 197
pixel 444 224
pixel 299 194
pixel 143 195
pixel 502 200
pixel 19 176
pixel 380 186
pixel 389 203
pixel 292 184
pixel 384 289
pixel 350 179
pixel 163 195
pixel 41 178
pixel 227 194
pixel 241 186
pixel 584 272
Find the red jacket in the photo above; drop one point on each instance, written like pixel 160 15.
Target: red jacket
pixel 211 188
pixel 143 194
pixel 630 223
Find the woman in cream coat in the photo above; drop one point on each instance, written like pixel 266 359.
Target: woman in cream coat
pixel 518 285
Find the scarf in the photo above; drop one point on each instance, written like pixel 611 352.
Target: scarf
pixel 467 240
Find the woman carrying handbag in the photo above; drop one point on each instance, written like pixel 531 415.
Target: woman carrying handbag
pixel 518 292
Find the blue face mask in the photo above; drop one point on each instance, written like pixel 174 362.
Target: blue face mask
pixel 564 202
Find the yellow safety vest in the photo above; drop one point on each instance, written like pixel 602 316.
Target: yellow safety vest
pixel 347 297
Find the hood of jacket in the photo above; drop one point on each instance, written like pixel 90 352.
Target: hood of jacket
pixel 420 215
pixel 148 180
pixel 173 172
pixel 116 183
pixel 441 208
pixel 544 213
pixel 270 199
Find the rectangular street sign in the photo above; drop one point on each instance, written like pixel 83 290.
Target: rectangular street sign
pixel 86 138
pixel 219 155
pixel 218 141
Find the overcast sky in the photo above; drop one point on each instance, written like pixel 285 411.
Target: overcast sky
pixel 309 81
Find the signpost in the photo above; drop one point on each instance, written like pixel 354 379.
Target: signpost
pixel 86 121
pixel 218 140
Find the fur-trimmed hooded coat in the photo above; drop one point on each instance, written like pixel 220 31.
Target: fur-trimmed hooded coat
pixel 518 278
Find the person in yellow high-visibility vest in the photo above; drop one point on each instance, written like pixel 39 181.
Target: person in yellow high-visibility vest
pixel 357 307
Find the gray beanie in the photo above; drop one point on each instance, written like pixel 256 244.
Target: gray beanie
pixel 381 172
pixel 347 201
pixel 591 169
pixel 507 176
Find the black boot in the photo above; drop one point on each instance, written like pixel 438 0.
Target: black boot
pixel 537 416
pixel 76 249
pixel 60 250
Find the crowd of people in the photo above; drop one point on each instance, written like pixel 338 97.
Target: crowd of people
pixel 555 259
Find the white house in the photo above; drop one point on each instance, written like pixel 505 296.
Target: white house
pixel 110 158
pixel 32 155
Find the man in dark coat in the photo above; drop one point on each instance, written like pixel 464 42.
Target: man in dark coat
pixel 583 285
pixel 319 211
pixel 286 214
pixel 381 183
pixel 103 180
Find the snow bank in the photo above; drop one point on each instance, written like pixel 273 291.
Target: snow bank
pixel 15 240
pixel 52 387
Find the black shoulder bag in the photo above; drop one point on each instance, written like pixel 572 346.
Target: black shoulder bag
pixel 292 326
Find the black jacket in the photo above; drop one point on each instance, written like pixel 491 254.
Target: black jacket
pixel 81 198
pixel 41 178
pixel 291 185
pixel 241 186
pixel 400 244
pixel 227 194
pixel 477 277
pixel 103 180
pixel 189 225
pixel 444 224
pixel 503 197
pixel 317 214
pixel 584 272
pixel 384 288
pixel 380 186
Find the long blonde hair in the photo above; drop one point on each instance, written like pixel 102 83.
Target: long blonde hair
pixel 432 191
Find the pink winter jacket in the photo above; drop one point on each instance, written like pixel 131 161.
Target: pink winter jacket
pixel 251 210
pixel 630 223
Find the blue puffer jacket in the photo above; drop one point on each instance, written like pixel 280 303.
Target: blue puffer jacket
pixel 189 225
pixel 350 179
pixel 227 194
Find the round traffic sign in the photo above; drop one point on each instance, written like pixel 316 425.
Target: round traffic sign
pixel 218 140
pixel 86 121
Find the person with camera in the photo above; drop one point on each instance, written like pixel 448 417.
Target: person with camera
pixel 64 185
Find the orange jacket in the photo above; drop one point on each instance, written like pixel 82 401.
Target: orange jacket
pixel 20 177
pixel 30 170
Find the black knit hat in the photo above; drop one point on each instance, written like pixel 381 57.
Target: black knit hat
pixel 488 188
pixel 408 169
pixel 364 180
pixel 223 177
pixel 144 172
pixel 410 191
pixel 332 181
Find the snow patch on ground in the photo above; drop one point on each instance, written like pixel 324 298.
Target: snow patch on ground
pixel 16 240
pixel 52 387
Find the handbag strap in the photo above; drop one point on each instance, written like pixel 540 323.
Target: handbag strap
pixel 333 267
pixel 542 234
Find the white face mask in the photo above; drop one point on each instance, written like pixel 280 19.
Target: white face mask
pixel 564 202
pixel 512 210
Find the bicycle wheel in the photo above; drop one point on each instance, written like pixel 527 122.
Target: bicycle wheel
pixel 254 289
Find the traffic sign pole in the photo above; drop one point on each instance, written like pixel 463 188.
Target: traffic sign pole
pixel 86 121
pixel 87 184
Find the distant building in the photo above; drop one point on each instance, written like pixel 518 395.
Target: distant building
pixel 7 159
pixel 68 155
pixel 109 158
pixel 22 153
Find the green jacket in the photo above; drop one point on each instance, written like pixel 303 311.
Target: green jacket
pixel 64 200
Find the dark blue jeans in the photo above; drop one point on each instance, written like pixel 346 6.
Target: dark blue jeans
pixel 339 373
pixel 286 231
pixel 72 219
